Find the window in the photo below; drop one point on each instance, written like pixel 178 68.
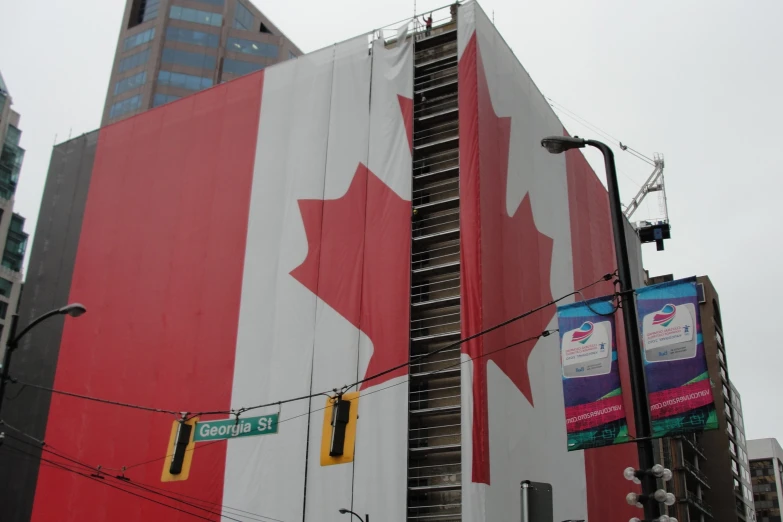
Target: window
pixel 138 39
pixel 735 468
pixel 17 223
pixel 239 45
pixel 178 34
pixel 5 287
pixel 291 55
pixel 161 99
pixel 212 2
pixel 143 11
pixel 240 67
pixel 133 61
pixel 3 309
pixel 243 18
pixel 264 29
pixel 184 81
pixel 723 374
pixel 194 15
pixel 200 60
pixel 132 82
pixel 732 448
pixel 725 390
pixel 125 106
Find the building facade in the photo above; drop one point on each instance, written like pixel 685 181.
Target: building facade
pixel 169 49
pixel 712 473
pixel 766 471
pixel 273 271
pixel 12 234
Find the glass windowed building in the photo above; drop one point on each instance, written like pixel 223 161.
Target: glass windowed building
pixel 168 49
pixel 766 471
pixel 13 238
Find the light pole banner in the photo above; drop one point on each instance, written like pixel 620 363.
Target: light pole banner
pixel 594 410
pixel 678 383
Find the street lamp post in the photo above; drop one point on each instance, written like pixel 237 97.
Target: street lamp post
pixel 74 310
pixel 366 517
pixel 557 145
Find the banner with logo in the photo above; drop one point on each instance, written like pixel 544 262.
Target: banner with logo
pixel 594 410
pixel 678 383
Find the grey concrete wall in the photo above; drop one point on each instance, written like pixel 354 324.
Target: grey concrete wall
pixel 47 287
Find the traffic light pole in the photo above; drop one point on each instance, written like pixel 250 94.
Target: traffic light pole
pixel 641 408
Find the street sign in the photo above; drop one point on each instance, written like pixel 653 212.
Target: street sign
pixel 233 429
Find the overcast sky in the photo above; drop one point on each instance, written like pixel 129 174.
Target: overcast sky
pixel 698 81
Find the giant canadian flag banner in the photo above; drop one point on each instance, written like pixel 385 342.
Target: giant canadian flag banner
pixel 678 383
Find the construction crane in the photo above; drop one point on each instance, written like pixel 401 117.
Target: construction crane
pixel 658 230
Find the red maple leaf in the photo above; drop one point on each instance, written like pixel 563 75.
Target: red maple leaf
pixel 507 255
pixel 358 262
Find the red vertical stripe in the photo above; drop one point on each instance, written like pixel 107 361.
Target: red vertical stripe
pixel 406 106
pixel 593 256
pixel 159 268
pixel 470 251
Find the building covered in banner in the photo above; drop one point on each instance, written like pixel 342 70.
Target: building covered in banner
pixel 317 225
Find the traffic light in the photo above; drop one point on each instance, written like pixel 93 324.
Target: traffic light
pixel 179 455
pixel 339 429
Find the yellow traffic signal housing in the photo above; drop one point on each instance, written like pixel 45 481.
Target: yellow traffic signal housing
pixel 184 473
pixel 339 430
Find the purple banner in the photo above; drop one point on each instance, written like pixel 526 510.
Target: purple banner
pixel 595 415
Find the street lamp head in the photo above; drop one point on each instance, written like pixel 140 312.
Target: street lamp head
pixel 343 511
pixel 73 309
pixel 559 144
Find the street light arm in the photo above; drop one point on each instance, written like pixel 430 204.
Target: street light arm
pixel 344 511
pixel 74 310
pixel 12 343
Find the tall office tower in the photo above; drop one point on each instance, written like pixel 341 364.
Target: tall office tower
pixel 12 235
pixel 169 49
pixel 712 478
pixel 766 469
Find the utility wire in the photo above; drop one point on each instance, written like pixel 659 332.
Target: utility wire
pixel 100 469
pixel 238 412
pixel 411 361
pixel 113 486
pixel 597 129
pixel 416 359
pixel 94 399
pixel 309 412
pixel 150 489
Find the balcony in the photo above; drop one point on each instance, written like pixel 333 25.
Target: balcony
pixel 695 501
pixel 695 472
pixel 696 447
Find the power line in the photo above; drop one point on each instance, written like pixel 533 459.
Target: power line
pixel 94 399
pixel 597 129
pixel 309 412
pixel 411 361
pixel 150 489
pixel 416 359
pixel 113 486
pixel 239 411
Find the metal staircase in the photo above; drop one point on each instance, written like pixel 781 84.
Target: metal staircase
pixel 434 446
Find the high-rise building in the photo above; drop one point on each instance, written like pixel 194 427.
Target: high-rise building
pixel 12 234
pixel 168 49
pixel 712 477
pixel 342 221
pixel 766 471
